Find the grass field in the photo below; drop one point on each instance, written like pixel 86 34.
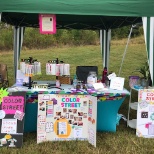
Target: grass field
pixel 124 140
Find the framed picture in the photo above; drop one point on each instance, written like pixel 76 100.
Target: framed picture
pixel 47 23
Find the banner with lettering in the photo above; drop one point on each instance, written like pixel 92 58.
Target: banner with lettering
pixel 66 117
pixel 12 111
pixel 145 114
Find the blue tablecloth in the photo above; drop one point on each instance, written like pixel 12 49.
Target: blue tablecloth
pixel 107 114
pixel 109 102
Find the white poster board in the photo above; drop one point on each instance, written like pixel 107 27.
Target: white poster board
pixel 66 117
pixel 145 114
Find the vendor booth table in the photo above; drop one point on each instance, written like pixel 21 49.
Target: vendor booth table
pixel 108 104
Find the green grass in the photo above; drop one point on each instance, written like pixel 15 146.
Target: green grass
pixel 124 140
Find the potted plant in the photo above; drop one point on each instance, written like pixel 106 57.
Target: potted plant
pixel 146 77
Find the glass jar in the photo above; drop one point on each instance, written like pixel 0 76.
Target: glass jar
pixel 91 79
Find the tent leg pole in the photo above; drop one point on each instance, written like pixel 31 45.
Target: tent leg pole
pixel 148 27
pixel 16 49
pixel 105 38
pixel 0 16
pixel 18 40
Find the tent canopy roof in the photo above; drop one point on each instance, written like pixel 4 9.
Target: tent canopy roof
pixel 71 21
pixel 85 14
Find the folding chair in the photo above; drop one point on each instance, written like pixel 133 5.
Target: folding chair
pixel 4 82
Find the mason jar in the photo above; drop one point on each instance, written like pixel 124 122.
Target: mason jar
pixel 91 79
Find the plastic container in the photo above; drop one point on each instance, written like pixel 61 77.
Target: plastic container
pixel 57 83
pixel 133 80
pixel 91 79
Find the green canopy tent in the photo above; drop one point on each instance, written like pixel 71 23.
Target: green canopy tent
pixel 102 15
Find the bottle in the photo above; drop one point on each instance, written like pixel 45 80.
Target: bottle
pixel 91 79
pixel 75 81
pixel 57 83
pixel 104 75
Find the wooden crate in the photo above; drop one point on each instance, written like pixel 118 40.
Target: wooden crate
pixel 64 80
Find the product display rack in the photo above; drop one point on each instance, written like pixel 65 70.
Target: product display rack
pixel 132 106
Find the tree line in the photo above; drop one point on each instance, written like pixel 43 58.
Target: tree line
pixel 33 39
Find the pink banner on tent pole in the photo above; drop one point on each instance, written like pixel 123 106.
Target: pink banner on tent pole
pixel 47 23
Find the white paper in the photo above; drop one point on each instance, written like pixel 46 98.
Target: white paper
pixel 41 137
pixel 47 23
pixel 98 86
pixel 111 76
pixel 21 75
pixel 49 127
pixel 62 128
pixel 117 83
pixel 9 126
pixel 78 132
pixel 41 120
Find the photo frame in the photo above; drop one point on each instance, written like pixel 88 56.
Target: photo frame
pixel 47 23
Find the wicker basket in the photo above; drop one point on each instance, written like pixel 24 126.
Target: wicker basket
pixel 64 80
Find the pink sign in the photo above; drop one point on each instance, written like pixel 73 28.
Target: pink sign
pixel 12 103
pixel 47 23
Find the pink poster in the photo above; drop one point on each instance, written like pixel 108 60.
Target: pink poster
pixel 12 103
pixel 47 23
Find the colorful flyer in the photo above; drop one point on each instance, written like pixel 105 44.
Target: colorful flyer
pixel 67 117
pixel 145 114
